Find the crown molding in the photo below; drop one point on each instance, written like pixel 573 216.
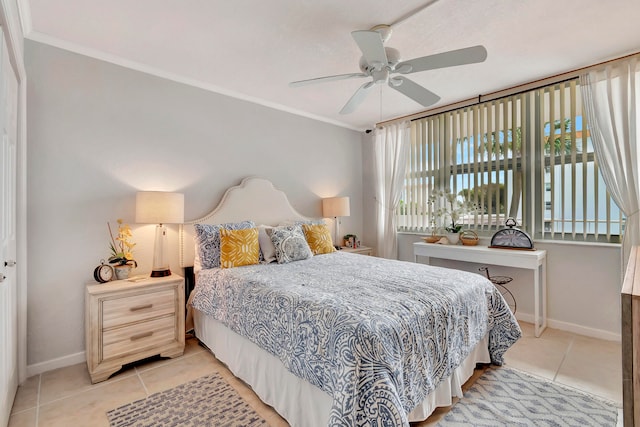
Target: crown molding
pixel 24 13
pixel 157 72
pixel 10 21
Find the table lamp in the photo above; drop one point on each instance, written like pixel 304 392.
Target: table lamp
pixel 159 207
pixel 336 207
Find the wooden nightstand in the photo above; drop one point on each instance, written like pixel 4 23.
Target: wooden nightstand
pixel 126 321
pixel 363 250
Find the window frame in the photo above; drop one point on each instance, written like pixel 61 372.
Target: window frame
pixel 531 161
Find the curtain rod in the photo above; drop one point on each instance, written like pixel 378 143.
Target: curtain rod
pixel 513 90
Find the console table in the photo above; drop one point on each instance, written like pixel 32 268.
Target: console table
pixel 535 260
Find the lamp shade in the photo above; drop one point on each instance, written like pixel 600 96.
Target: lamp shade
pixel 159 207
pixel 335 207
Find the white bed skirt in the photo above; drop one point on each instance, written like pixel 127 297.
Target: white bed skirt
pixel 298 401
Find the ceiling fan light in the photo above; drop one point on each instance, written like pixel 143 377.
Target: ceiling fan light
pixel 393 56
pixel 381 76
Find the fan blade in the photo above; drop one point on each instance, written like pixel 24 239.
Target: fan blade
pixel 370 43
pixel 414 91
pixel 468 55
pixel 357 98
pixel 327 79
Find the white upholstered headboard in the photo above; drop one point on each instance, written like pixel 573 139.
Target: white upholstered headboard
pixel 254 199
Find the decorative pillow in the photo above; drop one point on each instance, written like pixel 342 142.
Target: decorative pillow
pixel 290 244
pixel 239 247
pixel 267 250
pixel 319 238
pixel 208 241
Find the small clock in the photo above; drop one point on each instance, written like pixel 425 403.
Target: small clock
pixel 103 273
pixel 511 238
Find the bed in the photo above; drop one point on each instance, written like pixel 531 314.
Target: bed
pixel 339 338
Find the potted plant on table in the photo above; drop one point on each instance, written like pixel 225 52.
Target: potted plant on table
pixel 451 207
pixel 122 250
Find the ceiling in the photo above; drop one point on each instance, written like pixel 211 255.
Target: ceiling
pixel 252 49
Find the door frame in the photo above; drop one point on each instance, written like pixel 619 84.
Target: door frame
pixel 13 30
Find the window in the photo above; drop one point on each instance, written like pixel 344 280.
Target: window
pixel 580 207
pixel 527 156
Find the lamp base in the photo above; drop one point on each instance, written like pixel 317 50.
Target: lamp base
pixel 161 273
pixel 160 266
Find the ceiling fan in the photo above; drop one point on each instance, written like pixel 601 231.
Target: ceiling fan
pixel 380 63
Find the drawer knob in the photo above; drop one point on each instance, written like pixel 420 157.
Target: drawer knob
pixel 141 307
pixel 140 336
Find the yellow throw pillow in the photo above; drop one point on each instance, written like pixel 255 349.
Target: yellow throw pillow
pixel 319 238
pixel 239 247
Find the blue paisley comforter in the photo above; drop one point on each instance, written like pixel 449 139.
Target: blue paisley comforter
pixel 377 335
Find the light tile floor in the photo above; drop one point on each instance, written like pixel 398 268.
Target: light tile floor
pixel 66 397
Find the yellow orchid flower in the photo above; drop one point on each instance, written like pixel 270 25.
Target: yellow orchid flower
pixel 121 246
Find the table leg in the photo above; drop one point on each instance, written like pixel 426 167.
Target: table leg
pixel 540 295
pixel 543 268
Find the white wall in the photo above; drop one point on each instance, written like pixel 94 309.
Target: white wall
pixel 100 132
pixel 583 280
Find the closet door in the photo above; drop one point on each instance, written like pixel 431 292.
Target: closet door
pixel 8 282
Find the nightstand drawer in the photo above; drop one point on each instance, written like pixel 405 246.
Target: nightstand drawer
pixel 135 308
pixel 133 338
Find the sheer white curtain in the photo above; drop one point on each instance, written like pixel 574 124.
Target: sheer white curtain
pixel 610 95
pixel 390 154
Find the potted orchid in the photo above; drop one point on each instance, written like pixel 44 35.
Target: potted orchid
pixel 122 250
pixel 450 207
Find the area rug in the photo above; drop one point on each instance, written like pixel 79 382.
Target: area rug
pixel 207 401
pixel 507 397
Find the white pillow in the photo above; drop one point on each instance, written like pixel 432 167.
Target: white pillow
pixel 266 245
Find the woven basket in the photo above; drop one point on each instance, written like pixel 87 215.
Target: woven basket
pixel 431 239
pixel 469 238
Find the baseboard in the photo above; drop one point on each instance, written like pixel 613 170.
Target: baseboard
pixel 60 362
pixel 573 328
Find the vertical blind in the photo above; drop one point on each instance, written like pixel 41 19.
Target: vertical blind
pixel 527 156
pixel 474 152
pixel 577 204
